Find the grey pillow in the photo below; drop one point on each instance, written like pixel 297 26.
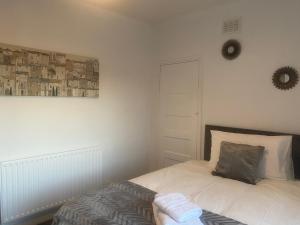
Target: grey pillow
pixel 239 162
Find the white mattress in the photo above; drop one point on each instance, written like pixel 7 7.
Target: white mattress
pixel 270 202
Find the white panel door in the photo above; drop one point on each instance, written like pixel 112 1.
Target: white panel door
pixel 179 112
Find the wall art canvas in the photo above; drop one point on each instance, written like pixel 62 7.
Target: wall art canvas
pixel 31 72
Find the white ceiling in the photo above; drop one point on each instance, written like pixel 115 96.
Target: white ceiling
pixel 154 11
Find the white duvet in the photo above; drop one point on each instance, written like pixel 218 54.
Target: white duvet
pixel 270 202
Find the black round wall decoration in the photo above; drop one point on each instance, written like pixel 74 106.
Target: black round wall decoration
pixel 285 78
pixel 231 49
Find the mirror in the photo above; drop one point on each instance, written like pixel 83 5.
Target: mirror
pixel 285 78
pixel 231 49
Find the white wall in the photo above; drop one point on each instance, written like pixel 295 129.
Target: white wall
pixel 237 93
pixel 240 93
pixel 119 121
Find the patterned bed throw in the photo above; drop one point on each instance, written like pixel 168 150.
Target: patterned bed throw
pixel 120 204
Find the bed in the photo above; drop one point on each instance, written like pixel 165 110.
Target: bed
pixel 225 201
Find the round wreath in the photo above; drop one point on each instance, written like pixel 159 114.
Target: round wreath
pixel 231 49
pixel 292 80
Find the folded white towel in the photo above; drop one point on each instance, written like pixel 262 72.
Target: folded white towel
pixel 166 220
pixel 163 219
pixel 177 207
pixel 155 213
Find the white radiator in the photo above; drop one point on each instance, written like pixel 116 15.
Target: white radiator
pixel 35 184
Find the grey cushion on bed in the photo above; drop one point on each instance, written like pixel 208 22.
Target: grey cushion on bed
pixel 239 162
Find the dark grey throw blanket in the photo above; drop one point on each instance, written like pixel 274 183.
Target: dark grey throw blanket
pixel 120 204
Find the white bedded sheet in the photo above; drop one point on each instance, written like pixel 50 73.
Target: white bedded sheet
pixel 270 202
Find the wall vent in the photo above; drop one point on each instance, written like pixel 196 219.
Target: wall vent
pixel 232 26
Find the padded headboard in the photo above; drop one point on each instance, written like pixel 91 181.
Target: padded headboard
pixel 295 144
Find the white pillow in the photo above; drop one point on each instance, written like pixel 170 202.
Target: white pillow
pixel 277 161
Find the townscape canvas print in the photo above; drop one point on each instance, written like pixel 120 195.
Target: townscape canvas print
pixel 31 72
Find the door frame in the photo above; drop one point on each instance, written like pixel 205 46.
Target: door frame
pixel 199 133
